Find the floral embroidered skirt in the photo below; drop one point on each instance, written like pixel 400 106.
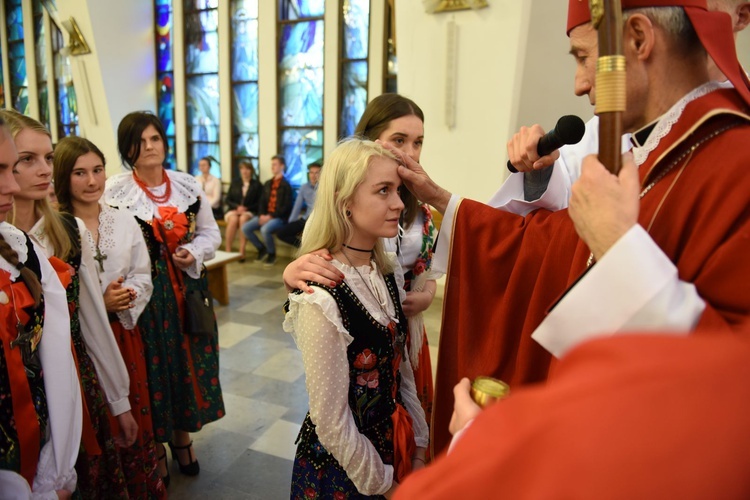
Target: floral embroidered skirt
pixel 183 371
pixel 100 475
pixel 139 460
pixel 328 482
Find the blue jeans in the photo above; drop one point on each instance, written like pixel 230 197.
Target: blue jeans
pixel 266 230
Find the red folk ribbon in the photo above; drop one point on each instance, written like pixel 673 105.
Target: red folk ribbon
pixel 24 412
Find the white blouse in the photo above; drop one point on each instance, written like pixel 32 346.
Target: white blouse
pixel 57 458
pixel 212 187
pixel 315 322
pixel 121 241
pixel 124 193
pixel 95 330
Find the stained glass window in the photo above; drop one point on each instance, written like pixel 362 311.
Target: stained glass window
pixel 300 85
pixel 355 35
pixel 40 44
pixel 391 62
pixel 165 75
pixel 202 82
pixel 19 84
pixel 244 82
pixel 67 104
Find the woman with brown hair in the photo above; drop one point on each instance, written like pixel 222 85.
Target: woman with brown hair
pixel 242 200
pixel 181 233
pixel 125 276
pixel 100 366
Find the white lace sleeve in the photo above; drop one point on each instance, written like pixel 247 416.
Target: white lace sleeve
pixel 316 324
pixel 97 333
pixel 207 239
pixel 138 276
pixel 55 469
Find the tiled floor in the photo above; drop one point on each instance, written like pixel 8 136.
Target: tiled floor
pixel 248 454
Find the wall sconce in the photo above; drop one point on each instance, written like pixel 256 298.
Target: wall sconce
pixel 434 6
pixel 76 43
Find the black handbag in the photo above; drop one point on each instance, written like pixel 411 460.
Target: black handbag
pixel 200 319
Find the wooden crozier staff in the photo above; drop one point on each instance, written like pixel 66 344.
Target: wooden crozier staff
pixel 606 17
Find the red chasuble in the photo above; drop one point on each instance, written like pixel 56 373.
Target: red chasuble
pixel 506 271
pixel 631 416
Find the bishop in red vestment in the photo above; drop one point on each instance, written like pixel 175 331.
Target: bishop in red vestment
pixel 669 242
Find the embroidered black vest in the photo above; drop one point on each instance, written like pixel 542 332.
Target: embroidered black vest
pixel 371 377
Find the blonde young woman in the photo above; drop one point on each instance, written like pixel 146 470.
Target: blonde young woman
pixel 40 398
pixel 125 275
pixel 365 430
pixel 103 374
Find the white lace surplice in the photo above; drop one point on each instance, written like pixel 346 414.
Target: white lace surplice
pixel 315 323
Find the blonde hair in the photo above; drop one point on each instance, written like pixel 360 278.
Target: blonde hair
pixel 345 169
pixel 53 223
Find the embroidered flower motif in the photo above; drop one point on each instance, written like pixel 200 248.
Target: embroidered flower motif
pixel 369 379
pixel 365 360
pixel 310 493
pixel 419 267
pixel 169 225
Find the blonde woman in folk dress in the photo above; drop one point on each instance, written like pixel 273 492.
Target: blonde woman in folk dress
pixel 104 377
pixel 397 120
pixel 366 428
pixel 125 276
pixel 183 370
pixel 40 398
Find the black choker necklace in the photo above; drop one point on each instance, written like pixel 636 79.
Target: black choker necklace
pixel 358 249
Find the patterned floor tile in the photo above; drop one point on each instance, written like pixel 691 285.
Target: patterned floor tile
pixel 278 440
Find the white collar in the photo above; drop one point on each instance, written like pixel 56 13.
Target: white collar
pixel 122 191
pixel 17 241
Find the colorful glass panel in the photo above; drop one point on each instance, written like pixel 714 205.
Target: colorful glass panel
pixel 300 147
pixel 201 42
pixel 202 111
pixel 165 75
pixel 245 123
pixel 301 74
pixel 354 95
pixel 356 16
pixel 244 40
pixel 163 35
pixel 17 56
pixel 40 45
pixel 291 10
pixel 67 103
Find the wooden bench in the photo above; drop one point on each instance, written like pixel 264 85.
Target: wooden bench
pixel 218 284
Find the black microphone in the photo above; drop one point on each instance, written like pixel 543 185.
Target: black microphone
pixel 568 130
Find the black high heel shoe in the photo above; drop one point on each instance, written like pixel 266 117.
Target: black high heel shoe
pixel 164 479
pixel 192 468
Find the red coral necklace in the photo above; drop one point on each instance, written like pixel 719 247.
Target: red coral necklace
pixel 156 199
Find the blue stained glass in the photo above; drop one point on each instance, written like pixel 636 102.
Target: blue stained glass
pixel 290 10
pixel 171 161
pixel 354 95
pixel 163 36
pixel 14 20
pixel 199 150
pixel 244 46
pixel 201 4
pixel 301 74
pixel 166 105
pixel 356 28
pixel 203 107
pixel 245 126
pixel 67 103
pixel 202 42
pixel 300 147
